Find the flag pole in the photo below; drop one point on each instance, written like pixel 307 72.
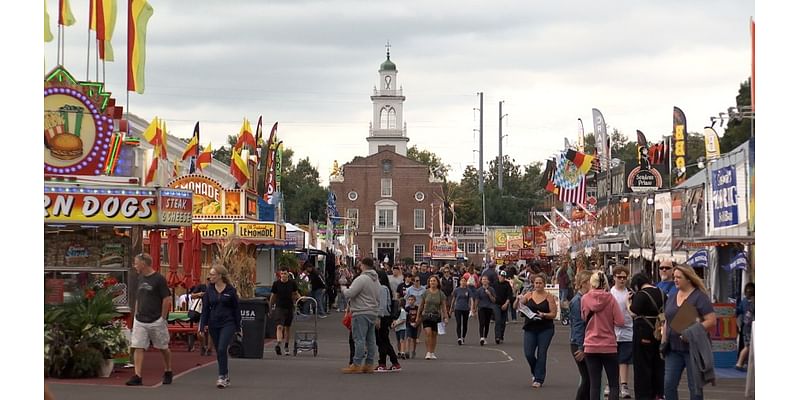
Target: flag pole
pixel 97 61
pixel 88 48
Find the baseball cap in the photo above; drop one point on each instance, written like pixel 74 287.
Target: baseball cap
pixel 503 273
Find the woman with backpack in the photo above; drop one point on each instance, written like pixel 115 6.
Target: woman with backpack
pixel 648 367
pixel 385 309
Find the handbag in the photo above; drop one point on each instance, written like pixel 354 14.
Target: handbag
pixel 193 314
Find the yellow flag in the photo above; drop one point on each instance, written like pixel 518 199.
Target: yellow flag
pixel 48 35
pixel 65 16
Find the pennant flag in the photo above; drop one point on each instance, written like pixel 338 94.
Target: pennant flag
pixel 582 161
pixel 641 146
pixel 239 169
pixel 152 171
pixel 712 143
pixel 161 146
pixel 739 261
pixel 105 21
pixel 193 147
pixel 48 34
pixel 699 259
pixel 204 159
pixel 574 195
pixel 602 143
pixel 150 133
pixel 65 16
pixel 679 144
pixel 139 13
pixel 245 137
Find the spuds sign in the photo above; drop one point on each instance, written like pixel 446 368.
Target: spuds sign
pixel 109 205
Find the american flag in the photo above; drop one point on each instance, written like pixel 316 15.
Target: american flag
pixel 574 195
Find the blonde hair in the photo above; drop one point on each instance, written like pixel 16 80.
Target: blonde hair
pixel 598 280
pixel 222 272
pixel 582 277
pixel 689 274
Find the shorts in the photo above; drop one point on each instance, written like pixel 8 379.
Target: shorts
pixel 144 333
pixel 401 335
pixel 411 332
pixel 625 352
pixel 428 323
pixel 283 316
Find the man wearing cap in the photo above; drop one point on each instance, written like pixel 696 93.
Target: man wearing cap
pixel 504 293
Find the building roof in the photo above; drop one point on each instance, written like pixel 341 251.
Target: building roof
pixel 388 65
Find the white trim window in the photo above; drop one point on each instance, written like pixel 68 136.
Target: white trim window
pixel 461 246
pixel 472 247
pixel 419 252
pixel 386 218
pixel 352 215
pixel 386 187
pixel 419 218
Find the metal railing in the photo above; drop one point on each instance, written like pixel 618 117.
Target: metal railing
pixel 385 228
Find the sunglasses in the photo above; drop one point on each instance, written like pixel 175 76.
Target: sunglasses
pixel 664 268
pixel 623 277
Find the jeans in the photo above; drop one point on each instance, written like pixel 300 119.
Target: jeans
pixel 675 362
pixel 500 318
pixel 341 301
pixel 512 312
pixel 222 338
pixel 384 343
pixel 319 296
pixel 462 319
pixel 596 363
pixel 648 368
pixel 535 345
pixel 364 339
pixel 583 386
pixel 484 316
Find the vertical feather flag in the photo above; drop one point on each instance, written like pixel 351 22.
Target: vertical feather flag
pixel 193 147
pixel 712 143
pixel 641 146
pixel 104 23
pixel 269 176
pixel 679 144
pixel 259 133
pixel 239 168
pixel 162 141
pixel 152 172
pixel 204 158
pixel 150 133
pixel 65 16
pixel 176 168
pixel 48 34
pixel 139 13
pixel 601 139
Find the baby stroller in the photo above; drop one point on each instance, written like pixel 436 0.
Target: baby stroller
pixel 564 313
pixel 305 340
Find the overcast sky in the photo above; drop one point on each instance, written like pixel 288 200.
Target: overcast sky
pixel 312 65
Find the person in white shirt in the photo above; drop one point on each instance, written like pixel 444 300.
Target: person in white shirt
pixel 624 333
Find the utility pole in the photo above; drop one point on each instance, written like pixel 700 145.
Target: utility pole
pixel 500 160
pixel 480 145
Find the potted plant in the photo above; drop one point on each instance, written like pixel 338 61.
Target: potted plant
pixel 82 333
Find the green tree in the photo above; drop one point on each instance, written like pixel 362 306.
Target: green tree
pixel 439 168
pixel 302 192
pixel 739 130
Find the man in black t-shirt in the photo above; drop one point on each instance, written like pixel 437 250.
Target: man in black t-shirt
pixel 317 289
pixel 504 294
pixel 281 303
pixel 153 302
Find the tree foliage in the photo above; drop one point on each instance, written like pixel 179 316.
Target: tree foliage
pixel 437 167
pixel 738 131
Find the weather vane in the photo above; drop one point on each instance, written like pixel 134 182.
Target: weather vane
pixel 387 48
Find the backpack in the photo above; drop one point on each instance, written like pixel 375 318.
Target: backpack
pixel 392 306
pixel 660 319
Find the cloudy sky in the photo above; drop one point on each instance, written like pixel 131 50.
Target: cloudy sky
pixel 311 65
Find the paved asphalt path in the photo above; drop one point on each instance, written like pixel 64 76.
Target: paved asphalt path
pixel 461 372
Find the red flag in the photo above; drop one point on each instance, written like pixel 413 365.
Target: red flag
pixel 204 159
pixel 245 137
pixel 193 147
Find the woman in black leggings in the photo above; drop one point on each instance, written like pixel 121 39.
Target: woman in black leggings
pixel 462 303
pixel 484 302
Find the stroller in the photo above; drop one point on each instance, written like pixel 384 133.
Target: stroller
pixel 305 340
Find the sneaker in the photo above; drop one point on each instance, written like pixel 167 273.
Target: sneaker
pixel 135 380
pixel 624 392
pixel 128 365
pixel 167 378
pixel 381 368
pixel 607 391
pixel 433 356
pixel 367 369
pixel 395 367
pixel 460 341
pixel 483 341
pixel 278 349
pixel 227 381
pixel 537 384
pixel 428 356
pixel 497 341
pixel 352 369
pixel 221 383
pixel 324 316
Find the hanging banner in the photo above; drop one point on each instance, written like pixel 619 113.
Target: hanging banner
pixel 694 214
pixel 678 228
pixel 724 197
pixel 663 223
pixel 679 144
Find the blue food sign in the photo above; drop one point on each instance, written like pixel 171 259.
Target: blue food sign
pixel 725 197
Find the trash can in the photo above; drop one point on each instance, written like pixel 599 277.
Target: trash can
pixel 254 318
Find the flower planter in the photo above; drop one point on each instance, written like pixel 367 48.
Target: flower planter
pixel 106 368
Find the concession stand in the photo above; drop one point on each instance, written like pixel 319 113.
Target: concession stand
pixel 95 210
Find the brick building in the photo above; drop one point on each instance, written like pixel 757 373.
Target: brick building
pixel 387 196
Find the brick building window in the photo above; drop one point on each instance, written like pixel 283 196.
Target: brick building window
pixel 471 248
pixel 352 215
pixel 461 246
pixel 386 187
pixel 385 218
pixel 419 251
pixel 419 218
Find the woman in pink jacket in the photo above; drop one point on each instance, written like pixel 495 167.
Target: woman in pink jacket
pixel 600 311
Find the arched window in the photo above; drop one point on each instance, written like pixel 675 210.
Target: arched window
pixel 388 118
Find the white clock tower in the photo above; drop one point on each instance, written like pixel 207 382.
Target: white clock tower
pixel 387 127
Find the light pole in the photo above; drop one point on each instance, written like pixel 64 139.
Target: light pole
pixel 500 147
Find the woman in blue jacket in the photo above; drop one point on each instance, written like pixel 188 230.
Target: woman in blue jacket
pixel 221 316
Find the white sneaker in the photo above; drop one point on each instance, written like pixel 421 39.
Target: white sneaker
pixel 624 392
pixel 427 356
pixel 433 356
pixel 221 382
pixel 483 341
